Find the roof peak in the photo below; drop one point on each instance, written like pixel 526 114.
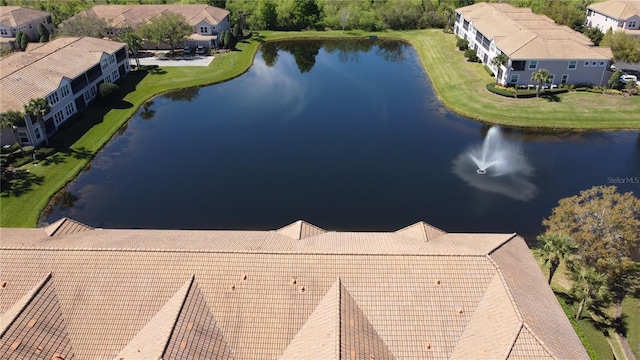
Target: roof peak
pixel 300 230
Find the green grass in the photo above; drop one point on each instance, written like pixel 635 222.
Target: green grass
pixel 631 320
pixel 459 84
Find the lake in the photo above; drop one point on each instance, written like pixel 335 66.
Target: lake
pixel 347 135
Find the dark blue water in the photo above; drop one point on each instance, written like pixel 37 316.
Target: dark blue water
pixel 347 136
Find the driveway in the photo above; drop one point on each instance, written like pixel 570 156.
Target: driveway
pixel 195 60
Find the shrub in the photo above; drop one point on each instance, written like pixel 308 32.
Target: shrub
pixel 613 92
pixel 462 44
pixel 109 91
pixel 44 152
pixel 9 150
pixel 595 90
pixel 471 55
pixel 489 71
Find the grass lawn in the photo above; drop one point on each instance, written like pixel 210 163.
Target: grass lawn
pixel 631 319
pixel 459 84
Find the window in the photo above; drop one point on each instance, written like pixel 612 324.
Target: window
pixel 601 63
pixel 514 78
pixel 112 59
pixel 632 24
pixel 518 65
pixel 53 98
pixel 23 137
pixel 553 77
pixel 58 117
pixel 465 25
pixel 64 90
pixel 87 96
pixel 115 75
pixel 109 32
pixel 586 63
pixel 4 32
pixel 30 26
pixel 107 78
pixel 204 30
pixel 70 109
pixel 594 63
pixel 572 64
pixel 36 131
pixel 533 64
pixel 104 63
pixel 94 91
pixel 565 78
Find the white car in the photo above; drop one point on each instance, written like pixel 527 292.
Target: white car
pixel 628 78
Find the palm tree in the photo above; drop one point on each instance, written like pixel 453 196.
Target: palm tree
pixel 553 249
pixel 134 43
pixel 11 119
pixel 499 61
pixel 590 289
pixel 39 107
pixel 541 76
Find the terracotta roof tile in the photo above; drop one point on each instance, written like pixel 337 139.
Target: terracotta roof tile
pixel 421 231
pixel 527 347
pixel 65 226
pixel 136 15
pixel 533 297
pixel 13 16
pixel 38 330
pixel 618 9
pixel 301 230
pixel 253 291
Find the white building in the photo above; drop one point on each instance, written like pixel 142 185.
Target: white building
pixel 66 71
pixel 619 15
pixel 530 42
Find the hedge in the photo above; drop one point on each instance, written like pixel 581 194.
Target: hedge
pixel 522 93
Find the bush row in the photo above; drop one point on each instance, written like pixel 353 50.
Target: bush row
pixel 521 93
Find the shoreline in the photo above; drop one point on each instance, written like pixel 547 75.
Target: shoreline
pixel 26 209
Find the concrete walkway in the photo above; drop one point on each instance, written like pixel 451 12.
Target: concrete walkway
pixel 195 60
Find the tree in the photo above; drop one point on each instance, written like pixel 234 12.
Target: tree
pixel 268 14
pixel 11 119
pixel 554 248
pixel 44 33
pixel 589 289
pixel 133 41
pixel 614 79
pixel 237 31
pixel 594 34
pixel 83 25
pixel 306 14
pixel 344 17
pixel 109 91
pixel 624 47
pixel 39 107
pixel 18 39
pixel 499 61
pixel 605 226
pixel 541 76
pixel 24 41
pixel 170 28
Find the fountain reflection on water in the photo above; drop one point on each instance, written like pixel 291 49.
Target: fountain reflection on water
pixel 497 166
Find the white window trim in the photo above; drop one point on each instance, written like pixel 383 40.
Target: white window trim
pixel 567 80
pixel 575 65
pixel 511 78
pixel 602 63
pixel 532 68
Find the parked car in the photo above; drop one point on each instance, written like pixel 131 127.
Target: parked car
pixel 628 78
pixel 200 50
pixel 186 50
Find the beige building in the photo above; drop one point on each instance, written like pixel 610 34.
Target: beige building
pixel 70 291
pixel 618 15
pixel 207 21
pixel 66 71
pixel 531 42
pixel 17 18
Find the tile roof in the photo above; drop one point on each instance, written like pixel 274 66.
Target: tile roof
pixel 35 327
pixel 39 70
pixel 14 16
pixel 618 9
pixel 136 15
pixel 521 34
pixel 263 294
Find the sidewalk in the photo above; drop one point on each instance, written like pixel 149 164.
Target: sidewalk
pixel 195 60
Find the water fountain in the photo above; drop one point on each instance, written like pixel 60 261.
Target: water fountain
pixel 501 163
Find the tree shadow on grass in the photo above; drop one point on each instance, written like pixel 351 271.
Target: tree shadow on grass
pixel 80 153
pixel 19 182
pixel 54 159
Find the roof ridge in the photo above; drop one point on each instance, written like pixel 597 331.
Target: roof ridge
pixel 152 340
pixel 540 341
pixel 506 287
pixel 18 307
